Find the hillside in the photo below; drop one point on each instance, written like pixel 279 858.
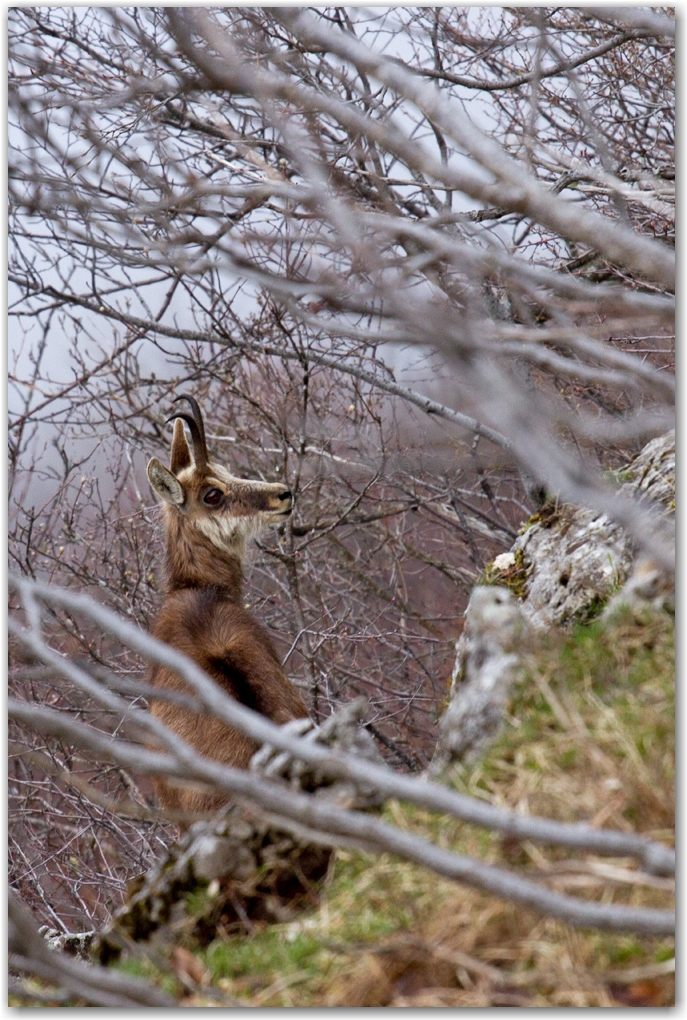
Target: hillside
pixel 589 736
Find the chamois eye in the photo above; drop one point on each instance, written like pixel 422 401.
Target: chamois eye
pixel 213 497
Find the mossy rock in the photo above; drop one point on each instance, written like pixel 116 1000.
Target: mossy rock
pixel 220 876
pixel 514 576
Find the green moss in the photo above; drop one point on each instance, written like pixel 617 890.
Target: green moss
pixel 198 902
pixel 625 951
pixel 514 577
pixel 530 523
pixel 547 515
pixel 266 953
pixel 591 610
pixel 623 475
pixel 139 966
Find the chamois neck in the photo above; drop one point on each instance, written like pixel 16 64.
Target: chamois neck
pixel 193 561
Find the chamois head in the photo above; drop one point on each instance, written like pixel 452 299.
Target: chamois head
pixel 202 493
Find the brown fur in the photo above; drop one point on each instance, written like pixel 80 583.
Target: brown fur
pixel 203 614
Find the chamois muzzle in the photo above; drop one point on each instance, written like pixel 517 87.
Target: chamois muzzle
pixel 285 499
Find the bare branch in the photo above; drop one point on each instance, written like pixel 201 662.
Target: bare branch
pixel 98 986
pixel 636 18
pixel 654 856
pixel 316 814
pixel 515 189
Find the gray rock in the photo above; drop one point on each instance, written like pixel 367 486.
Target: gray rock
pixel 653 473
pixel 239 863
pixel 73 943
pixel 487 664
pixel 574 560
pixel 571 560
pixel 563 568
pixel 213 856
pixel 648 589
pixel 342 731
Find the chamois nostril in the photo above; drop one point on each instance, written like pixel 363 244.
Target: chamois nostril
pixel 286 494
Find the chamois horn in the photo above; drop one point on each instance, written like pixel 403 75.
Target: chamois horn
pixel 197 429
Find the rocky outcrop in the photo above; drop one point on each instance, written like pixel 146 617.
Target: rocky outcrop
pixel 72 943
pixel 651 475
pixel 219 876
pixel 648 589
pixel 243 866
pixel 572 560
pixel 342 731
pixel 569 561
pixel 487 663
pixel 567 564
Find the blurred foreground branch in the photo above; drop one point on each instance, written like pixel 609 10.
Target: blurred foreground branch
pixel 180 762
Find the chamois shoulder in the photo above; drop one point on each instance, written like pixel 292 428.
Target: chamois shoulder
pixel 225 640
pixel 209 619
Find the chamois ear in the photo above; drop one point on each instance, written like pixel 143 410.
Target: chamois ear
pixel 181 455
pixel 165 484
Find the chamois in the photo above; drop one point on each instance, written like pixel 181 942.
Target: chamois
pixel 209 515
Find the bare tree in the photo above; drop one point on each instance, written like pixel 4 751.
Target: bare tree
pixel 417 263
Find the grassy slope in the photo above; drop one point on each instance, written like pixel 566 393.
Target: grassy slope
pixel 590 736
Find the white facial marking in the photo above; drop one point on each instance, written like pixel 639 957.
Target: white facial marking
pixel 229 533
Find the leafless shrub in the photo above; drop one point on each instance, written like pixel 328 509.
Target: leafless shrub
pixel 417 262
